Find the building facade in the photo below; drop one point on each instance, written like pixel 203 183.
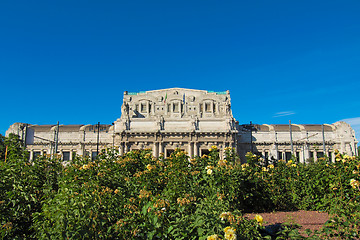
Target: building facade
pixel 192 120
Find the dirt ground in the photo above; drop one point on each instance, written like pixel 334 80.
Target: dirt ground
pixel 312 220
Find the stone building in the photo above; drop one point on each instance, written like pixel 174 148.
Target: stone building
pixel 304 141
pixel 192 120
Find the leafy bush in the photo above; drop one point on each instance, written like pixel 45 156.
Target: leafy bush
pixel 137 196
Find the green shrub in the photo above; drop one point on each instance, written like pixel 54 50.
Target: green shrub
pixel 137 196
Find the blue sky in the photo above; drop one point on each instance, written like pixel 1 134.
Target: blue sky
pixel 71 61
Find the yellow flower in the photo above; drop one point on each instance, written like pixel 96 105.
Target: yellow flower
pixel 244 165
pixel 116 191
pixel 271 166
pixel 249 154
pixel 230 233
pixel 264 169
pixel 293 165
pixel 225 215
pixel 259 219
pixel 222 163
pixel 213 237
pixel 209 171
pixel 213 148
pixel 354 183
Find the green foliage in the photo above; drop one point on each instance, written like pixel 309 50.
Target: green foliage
pixel 2 147
pixel 137 196
pixel 22 187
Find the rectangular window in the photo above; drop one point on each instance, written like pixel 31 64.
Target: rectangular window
pixel 207 107
pixel 204 152
pixel 287 156
pixel 143 107
pixel 175 107
pixel 320 154
pixel 169 152
pixel 66 156
pixel 36 155
pixel 93 155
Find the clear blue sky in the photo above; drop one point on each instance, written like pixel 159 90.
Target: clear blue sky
pixel 71 61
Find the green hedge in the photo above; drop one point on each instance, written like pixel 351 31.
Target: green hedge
pixel 137 196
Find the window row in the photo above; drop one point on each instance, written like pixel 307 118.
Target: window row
pixel 65 155
pixel 177 107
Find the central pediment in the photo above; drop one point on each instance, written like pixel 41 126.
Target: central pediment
pixel 179 109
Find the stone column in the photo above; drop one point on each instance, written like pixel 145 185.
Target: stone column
pixel 301 155
pixel 161 148
pixel 221 151
pixel 355 149
pixel 196 149
pixel 121 148
pixel 306 152
pixel 126 147
pixel 31 154
pixel 155 149
pixel 49 149
pixel 190 149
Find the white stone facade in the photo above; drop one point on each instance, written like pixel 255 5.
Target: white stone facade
pixel 163 120
pixel 192 120
pixel 304 141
